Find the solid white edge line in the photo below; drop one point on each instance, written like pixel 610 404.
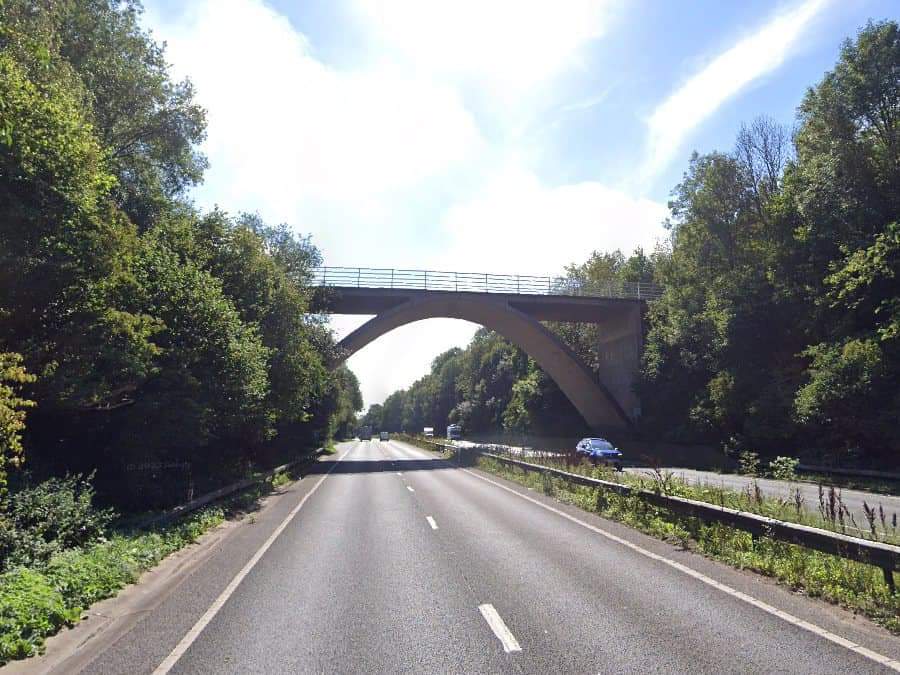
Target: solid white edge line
pixel 220 601
pixel 431 522
pixel 507 639
pixel 774 611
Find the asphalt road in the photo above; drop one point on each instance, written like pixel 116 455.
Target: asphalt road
pixel 396 562
pixel 853 499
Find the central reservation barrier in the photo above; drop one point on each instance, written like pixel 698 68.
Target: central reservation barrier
pixel 878 554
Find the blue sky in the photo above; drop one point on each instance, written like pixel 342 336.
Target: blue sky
pixel 480 135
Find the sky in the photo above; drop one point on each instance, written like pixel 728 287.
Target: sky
pixel 503 136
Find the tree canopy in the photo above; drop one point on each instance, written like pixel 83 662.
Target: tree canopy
pixel 145 331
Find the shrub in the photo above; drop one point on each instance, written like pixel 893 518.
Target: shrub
pixel 52 516
pixel 784 468
pixel 748 463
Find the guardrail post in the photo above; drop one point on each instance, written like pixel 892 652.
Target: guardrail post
pixel 392 278
pixel 358 275
pixel 518 289
pixel 485 283
pixel 426 280
pixel 889 579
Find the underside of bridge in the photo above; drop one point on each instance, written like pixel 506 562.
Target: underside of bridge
pixel 606 399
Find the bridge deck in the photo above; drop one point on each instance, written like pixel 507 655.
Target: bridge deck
pixel 479 282
pixel 352 300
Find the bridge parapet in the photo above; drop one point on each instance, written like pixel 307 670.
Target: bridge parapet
pixel 479 282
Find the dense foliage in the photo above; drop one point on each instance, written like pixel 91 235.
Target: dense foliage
pixel 779 328
pixel 148 339
pixel 491 385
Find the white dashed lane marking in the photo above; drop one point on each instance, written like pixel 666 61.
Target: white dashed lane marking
pixel 507 639
pixel 750 600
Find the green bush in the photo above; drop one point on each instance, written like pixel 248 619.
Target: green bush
pixel 784 468
pixel 51 517
pixel 748 463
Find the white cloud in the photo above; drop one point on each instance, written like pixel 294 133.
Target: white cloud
pixel 517 225
pixel 514 44
pixel 724 77
pixel 284 127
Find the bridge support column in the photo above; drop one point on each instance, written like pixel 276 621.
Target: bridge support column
pixel 619 347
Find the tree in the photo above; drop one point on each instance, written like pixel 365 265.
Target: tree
pixel 348 402
pixel 842 195
pixel 149 124
pixel 12 413
pixel 155 332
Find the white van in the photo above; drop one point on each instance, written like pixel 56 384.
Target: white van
pixel 428 432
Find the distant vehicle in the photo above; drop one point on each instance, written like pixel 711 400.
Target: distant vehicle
pixel 365 433
pixel 454 432
pixel 429 432
pixel 600 451
pixel 384 436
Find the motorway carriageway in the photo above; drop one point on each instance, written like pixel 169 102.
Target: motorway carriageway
pixel 388 559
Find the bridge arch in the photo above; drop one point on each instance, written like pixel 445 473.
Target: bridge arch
pixel 588 394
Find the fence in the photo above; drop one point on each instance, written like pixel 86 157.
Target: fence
pixel 479 282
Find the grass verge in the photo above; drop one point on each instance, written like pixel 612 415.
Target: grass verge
pixel 879 486
pixel 858 587
pixel 829 512
pixel 38 600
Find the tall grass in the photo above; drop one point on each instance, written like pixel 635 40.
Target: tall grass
pixel 829 512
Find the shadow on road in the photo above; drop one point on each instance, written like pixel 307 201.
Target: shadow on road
pixel 379 465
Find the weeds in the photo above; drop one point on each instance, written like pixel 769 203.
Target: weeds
pixel 61 555
pixel 280 479
pixel 36 602
pixel 833 514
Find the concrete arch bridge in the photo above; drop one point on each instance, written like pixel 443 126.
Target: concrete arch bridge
pixel 513 306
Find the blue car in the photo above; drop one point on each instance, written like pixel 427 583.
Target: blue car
pixel 600 451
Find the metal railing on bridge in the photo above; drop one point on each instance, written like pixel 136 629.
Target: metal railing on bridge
pixel 479 282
